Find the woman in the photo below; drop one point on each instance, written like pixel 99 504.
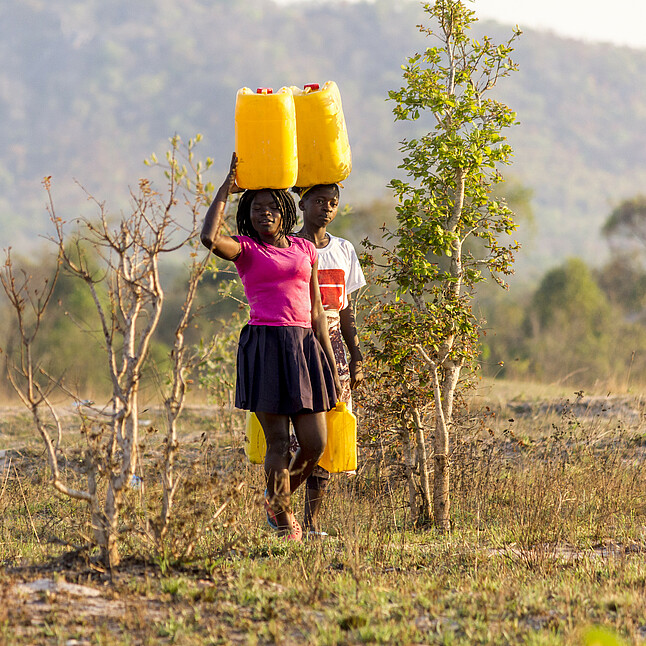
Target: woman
pixel 285 364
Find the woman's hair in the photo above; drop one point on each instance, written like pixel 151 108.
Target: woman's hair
pixel 285 204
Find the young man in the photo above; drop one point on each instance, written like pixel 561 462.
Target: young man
pixel 339 275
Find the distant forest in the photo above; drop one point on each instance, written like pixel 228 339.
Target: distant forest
pixel 88 89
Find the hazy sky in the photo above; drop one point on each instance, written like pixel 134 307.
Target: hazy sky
pixel 622 22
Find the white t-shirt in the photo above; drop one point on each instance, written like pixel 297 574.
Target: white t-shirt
pixel 339 273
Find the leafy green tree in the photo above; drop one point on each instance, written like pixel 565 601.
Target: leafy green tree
pixel 571 328
pixel 423 329
pixel 569 288
pixel 626 225
pixel 503 337
pixel 623 277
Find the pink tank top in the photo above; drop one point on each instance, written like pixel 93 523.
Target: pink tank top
pixel 277 281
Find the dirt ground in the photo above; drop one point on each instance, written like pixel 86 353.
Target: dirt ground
pixel 79 607
pixel 73 601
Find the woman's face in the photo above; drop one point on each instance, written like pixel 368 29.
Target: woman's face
pixel 266 217
pixel 320 205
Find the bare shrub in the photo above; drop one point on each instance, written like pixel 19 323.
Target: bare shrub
pixel 126 289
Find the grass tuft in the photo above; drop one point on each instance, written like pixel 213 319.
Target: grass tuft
pixel 547 545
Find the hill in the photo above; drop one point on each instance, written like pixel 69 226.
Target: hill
pixel 89 89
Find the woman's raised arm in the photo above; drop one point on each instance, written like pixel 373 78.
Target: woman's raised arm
pixel 221 245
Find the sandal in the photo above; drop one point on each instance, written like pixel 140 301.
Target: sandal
pixel 296 533
pixel 271 517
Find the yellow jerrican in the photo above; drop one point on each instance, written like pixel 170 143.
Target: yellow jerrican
pixel 291 138
pixel 324 155
pixel 265 139
pixel 341 449
pixel 340 452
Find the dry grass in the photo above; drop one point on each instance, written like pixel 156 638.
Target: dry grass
pixel 548 538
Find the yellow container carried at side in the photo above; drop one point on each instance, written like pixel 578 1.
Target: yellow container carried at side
pixel 255 445
pixel 324 155
pixel 340 451
pixel 265 138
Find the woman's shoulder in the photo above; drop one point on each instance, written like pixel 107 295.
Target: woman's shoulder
pixel 300 242
pixel 303 246
pixel 245 242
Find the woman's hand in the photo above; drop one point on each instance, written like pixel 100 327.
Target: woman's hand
pixel 223 246
pixel 229 186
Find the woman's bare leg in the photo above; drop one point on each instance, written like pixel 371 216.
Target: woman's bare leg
pixel 276 429
pixel 311 432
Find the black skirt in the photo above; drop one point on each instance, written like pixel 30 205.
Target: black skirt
pixel 283 370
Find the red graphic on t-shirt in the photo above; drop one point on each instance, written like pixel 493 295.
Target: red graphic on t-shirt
pixel 332 284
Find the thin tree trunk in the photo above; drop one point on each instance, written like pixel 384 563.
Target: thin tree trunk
pixel 409 466
pixel 109 548
pixel 451 376
pixel 427 501
pixel 173 408
pixel 441 506
pixel 97 517
pixel 119 481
